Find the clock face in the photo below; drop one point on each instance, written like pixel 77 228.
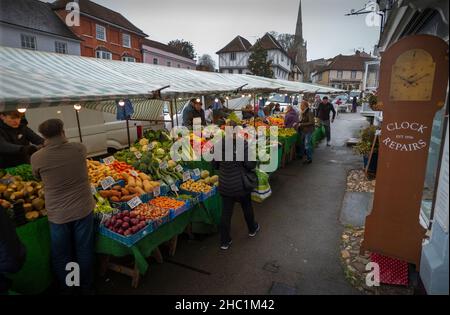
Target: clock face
pixel 412 76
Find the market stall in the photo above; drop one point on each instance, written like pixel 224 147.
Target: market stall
pixel 156 197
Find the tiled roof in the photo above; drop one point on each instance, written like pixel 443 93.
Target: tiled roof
pixel 238 44
pixel 34 14
pixel 101 12
pixel 353 62
pixel 164 47
pixel 268 42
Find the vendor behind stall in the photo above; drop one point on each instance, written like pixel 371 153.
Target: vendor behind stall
pixel 193 110
pixel 17 141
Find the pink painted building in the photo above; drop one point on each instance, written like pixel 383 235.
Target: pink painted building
pixel 161 54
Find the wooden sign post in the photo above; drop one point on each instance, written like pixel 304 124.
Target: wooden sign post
pixel 413 87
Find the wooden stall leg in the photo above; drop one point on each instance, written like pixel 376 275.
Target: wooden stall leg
pixel 188 231
pixel 157 255
pixel 135 277
pixel 173 246
pixel 104 261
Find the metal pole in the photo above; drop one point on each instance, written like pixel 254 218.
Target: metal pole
pixel 128 127
pixel 171 112
pixel 176 111
pixel 79 128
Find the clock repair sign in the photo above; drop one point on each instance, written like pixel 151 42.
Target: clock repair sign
pixel 412 88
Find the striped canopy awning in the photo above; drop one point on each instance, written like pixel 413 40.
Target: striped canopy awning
pixel 37 79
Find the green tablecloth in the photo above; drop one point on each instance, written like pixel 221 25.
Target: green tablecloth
pixel 201 217
pixel 35 276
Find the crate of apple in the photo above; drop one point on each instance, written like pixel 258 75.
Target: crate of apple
pixel 126 223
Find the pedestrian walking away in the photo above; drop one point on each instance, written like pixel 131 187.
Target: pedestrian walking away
pixel 323 113
pixel 237 179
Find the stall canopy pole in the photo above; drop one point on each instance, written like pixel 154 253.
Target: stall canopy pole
pixel 128 126
pixel 79 128
pixel 176 111
pixel 171 112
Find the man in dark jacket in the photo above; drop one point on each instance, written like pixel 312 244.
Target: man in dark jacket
pixel 232 190
pixel 12 251
pixel 17 141
pixel 323 112
pixel 194 110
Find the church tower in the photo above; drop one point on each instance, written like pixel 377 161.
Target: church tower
pixel 300 58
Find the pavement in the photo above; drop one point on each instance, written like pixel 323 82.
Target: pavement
pixel 297 250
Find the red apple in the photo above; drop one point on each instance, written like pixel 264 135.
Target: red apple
pixel 126 219
pixel 125 225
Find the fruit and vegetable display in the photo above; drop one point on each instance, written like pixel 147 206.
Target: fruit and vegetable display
pixel 197 187
pixel 151 212
pixel 24 171
pixel 126 223
pixel 102 205
pixel 275 121
pixel 121 194
pixel 167 202
pixel 121 167
pixel 98 171
pixel 30 194
pixel 286 132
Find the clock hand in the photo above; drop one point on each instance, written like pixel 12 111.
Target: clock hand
pixel 406 80
pixel 420 78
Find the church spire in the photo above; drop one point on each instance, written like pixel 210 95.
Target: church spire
pixel 299 27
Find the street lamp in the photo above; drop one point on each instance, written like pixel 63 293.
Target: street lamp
pixel 22 110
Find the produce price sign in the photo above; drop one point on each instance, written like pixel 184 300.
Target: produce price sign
pixel 163 165
pixel 107 182
pixel 179 168
pixel 133 203
pixel 109 160
pixel 186 176
pixel 197 172
pixel 134 173
pixel 138 155
pixel 157 191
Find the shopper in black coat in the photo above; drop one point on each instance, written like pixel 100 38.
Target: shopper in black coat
pixel 17 141
pixel 232 190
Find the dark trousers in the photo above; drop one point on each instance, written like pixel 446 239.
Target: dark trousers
pixel 326 124
pixel 227 213
pixel 73 242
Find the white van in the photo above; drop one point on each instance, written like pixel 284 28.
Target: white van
pixel 101 133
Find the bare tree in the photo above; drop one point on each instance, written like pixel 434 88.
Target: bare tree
pixel 206 63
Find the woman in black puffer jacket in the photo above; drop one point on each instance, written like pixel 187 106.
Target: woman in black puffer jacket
pixel 232 190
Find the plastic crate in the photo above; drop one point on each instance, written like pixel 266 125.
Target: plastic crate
pixel 176 212
pixel 195 196
pixel 204 196
pixel 157 223
pixel 127 240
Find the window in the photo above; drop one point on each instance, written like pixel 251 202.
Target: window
pixel 339 74
pixel 126 40
pixel 169 63
pixel 103 54
pixel 230 70
pixel 100 32
pixel 60 48
pixel 128 59
pixel 178 66
pixel 240 71
pixel 319 76
pixel 155 61
pixel 28 41
pixel 353 75
pixel 233 56
pixel 282 58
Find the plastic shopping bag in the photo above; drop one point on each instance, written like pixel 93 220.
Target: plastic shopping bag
pixel 263 191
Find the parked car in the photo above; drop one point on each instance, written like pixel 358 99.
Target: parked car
pixel 101 132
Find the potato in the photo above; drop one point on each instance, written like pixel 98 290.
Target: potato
pixel 115 199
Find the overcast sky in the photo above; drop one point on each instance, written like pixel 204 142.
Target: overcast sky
pixel 211 24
